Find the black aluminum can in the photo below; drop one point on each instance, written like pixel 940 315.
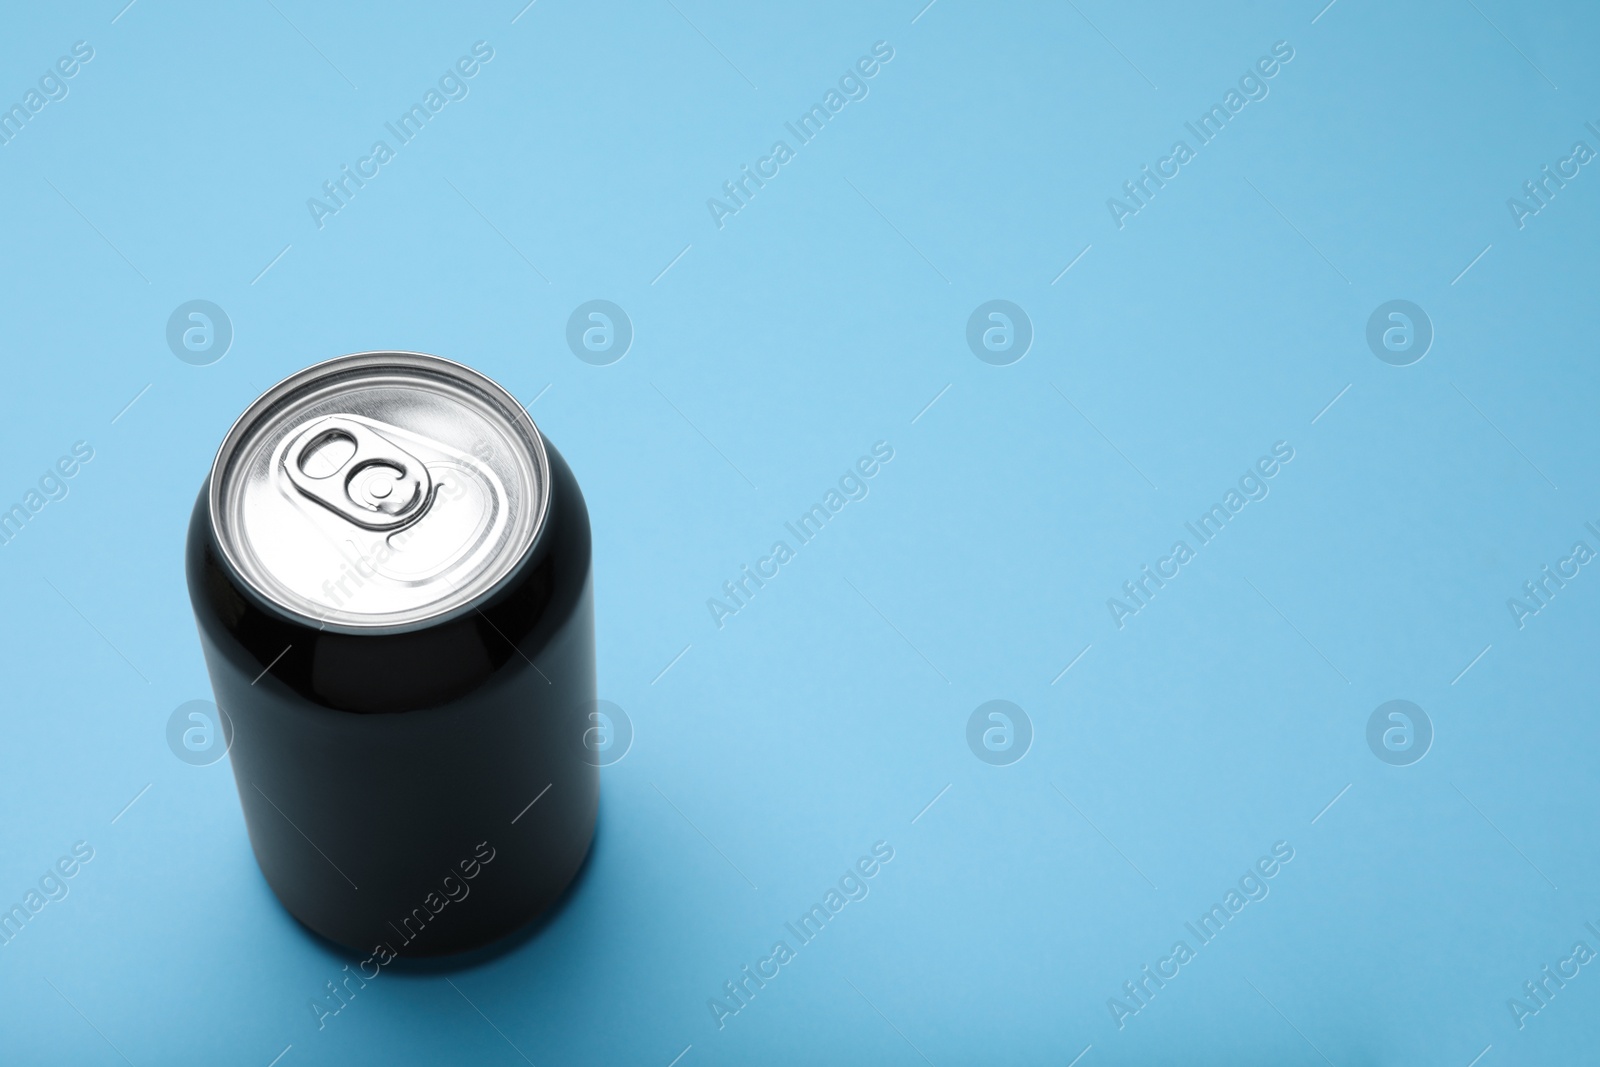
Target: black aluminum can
pixel 391 573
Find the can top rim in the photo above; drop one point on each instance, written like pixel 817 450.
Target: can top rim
pixel 353 367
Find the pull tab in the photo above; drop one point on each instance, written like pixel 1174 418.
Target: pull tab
pixel 358 473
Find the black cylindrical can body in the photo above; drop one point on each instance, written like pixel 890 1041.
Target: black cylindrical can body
pixel 422 789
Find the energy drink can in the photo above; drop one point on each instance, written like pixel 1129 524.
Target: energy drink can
pixel 390 570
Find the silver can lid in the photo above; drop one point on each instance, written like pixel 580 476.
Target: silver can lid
pixel 381 489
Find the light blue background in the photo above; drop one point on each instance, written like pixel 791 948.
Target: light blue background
pixel 823 318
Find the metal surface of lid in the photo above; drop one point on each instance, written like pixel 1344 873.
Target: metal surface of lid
pixel 379 490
